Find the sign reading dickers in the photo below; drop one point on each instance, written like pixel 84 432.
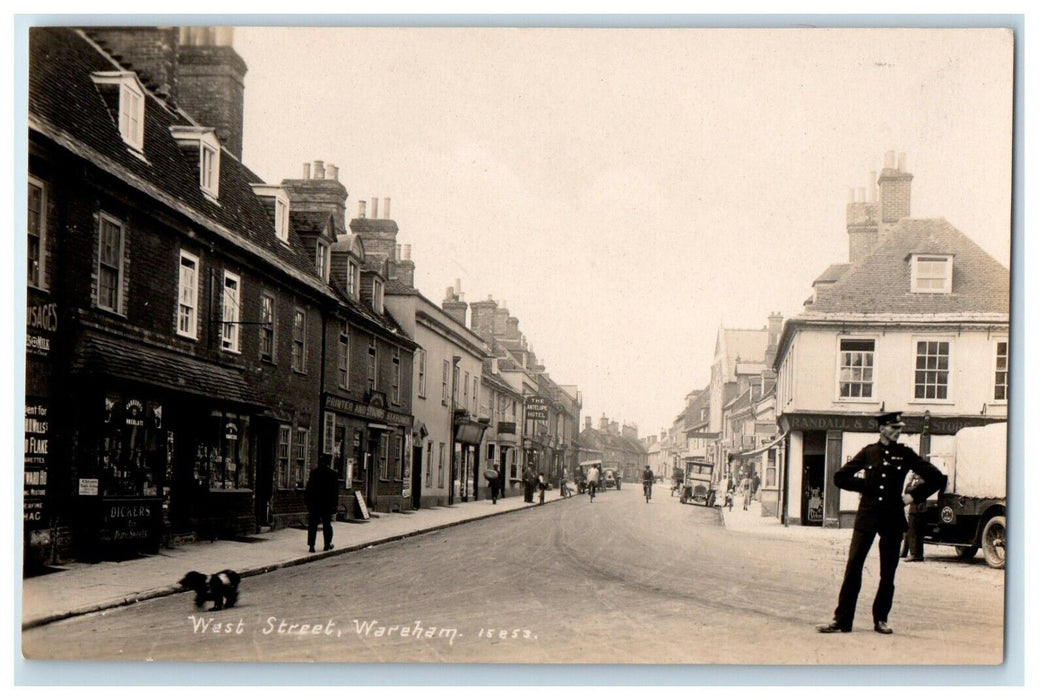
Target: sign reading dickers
pixel 536 408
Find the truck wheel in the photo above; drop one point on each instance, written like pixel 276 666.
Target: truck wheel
pixel 993 542
pixel 966 552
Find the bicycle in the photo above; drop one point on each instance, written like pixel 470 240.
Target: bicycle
pixel 648 489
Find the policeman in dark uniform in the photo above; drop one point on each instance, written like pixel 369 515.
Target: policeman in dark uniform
pixel 878 473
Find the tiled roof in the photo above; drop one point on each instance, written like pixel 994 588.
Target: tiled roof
pixel 833 273
pixel 96 354
pixel 881 283
pixel 310 222
pixel 65 105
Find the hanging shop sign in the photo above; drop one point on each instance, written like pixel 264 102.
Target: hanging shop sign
pixel 536 408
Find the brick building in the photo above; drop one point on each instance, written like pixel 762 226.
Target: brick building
pixel 175 318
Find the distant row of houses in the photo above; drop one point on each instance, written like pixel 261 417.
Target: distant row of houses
pixel 917 321
pixel 198 339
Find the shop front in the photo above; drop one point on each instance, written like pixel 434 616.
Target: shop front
pixel 468 435
pixel 161 449
pixel 370 447
pixel 818 444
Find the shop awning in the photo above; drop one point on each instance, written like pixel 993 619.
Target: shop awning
pixel 127 359
pixel 759 450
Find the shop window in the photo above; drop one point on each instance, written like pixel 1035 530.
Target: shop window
pixel 223 452
pixel 283 458
pixel 267 344
pixel 36 243
pixel 301 458
pixel 132 454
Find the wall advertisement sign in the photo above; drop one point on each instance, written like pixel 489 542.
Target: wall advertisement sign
pixel 35 475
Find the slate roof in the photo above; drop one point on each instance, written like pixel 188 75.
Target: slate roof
pixel 310 222
pixel 881 283
pixel 65 105
pixel 833 273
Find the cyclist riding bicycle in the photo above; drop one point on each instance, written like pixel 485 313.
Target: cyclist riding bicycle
pixel 648 482
pixel 593 480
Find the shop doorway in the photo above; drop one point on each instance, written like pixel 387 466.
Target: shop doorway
pixel 415 478
pixel 813 478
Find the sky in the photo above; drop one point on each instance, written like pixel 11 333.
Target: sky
pixel 627 192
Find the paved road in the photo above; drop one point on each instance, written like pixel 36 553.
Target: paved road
pixel 613 581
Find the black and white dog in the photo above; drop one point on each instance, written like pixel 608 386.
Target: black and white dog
pixel 223 588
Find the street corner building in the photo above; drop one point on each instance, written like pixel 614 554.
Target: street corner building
pixel 916 321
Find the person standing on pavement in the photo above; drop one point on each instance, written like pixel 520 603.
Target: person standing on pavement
pixel 321 500
pixel 542 487
pixel 746 497
pixel 754 485
pixel 878 472
pixel 913 540
pixel 528 485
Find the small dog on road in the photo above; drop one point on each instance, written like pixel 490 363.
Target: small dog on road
pixel 223 588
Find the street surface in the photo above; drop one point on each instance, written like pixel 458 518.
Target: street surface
pixel 613 581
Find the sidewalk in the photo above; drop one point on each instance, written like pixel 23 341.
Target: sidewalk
pixel 751 522
pixel 78 588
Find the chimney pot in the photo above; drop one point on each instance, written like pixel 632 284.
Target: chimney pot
pixel 305 171
pixel 457 285
pixel 901 157
pixel 374 207
pixel 860 194
pixel 399 252
pixel 890 162
pixel 406 251
pixel 851 199
pixel 332 172
pixel 362 209
pixel 388 207
pixel 317 169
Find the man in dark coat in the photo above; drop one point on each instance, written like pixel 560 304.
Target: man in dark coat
pixel 321 498
pixel 878 473
pixel 529 481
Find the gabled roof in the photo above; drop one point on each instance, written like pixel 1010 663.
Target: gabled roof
pixel 881 283
pixel 66 107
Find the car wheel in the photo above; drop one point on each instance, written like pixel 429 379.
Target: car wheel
pixel 993 542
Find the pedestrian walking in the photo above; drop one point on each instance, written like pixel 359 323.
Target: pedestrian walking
pixel 493 476
pixel 754 486
pixel 878 473
pixel 542 487
pixel 746 484
pixel 321 500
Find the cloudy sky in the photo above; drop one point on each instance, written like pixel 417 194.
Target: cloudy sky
pixel 626 192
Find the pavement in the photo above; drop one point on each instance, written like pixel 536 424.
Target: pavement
pixel 77 588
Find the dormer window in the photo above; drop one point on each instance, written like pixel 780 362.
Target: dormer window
pixel 352 280
pixel 202 147
pixel 127 104
pixel 931 274
pixel 379 296
pixel 323 259
pixel 281 208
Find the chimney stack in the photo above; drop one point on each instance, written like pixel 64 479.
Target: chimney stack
pixel 588 422
pixel 453 306
pixel 895 191
pixel 483 317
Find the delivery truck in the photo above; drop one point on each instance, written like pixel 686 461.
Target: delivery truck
pixel 969 513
